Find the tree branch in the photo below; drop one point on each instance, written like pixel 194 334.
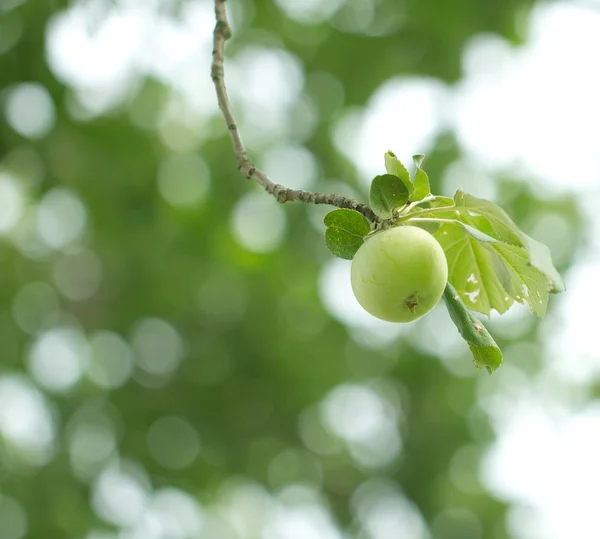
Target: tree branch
pixel 245 165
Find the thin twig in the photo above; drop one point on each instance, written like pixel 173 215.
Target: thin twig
pixel 245 165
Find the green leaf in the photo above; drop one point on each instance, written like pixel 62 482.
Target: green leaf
pixel 486 353
pixel 387 193
pixel 395 167
pixel 501 224
pixel 350 220
pixel 476 233
pixel 471 269
pixel 439 211
pixel 421 186
pixel 345 232
pixel 440 201
pixel 432 223
pixel 526 283
pixel 439 204
pixel 502 227
pixel 540 258
pixel 489 357
pixel 418 159
pixel 488 273
pixel 342 243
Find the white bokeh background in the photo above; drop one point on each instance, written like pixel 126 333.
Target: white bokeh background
pixel 533 108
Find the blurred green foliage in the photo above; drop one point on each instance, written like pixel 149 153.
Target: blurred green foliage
pixel 260 352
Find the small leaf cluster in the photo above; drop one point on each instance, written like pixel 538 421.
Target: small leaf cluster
pixel 492 263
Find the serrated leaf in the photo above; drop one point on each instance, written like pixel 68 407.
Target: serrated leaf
pixel 527 283
pixel 471 270
pixel 394 166
pixel 421 187
pixel 504 228
pixel 350 220
pixel 342 243
pixel 488 273
pixel 494 221
pixel 486 353
pixel 387 193
pixel 541 258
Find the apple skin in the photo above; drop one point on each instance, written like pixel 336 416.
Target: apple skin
pixel 399 275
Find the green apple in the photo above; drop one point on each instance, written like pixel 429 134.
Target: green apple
pixel 399 274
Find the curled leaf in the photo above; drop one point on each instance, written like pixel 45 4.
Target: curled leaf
pixel 486 353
